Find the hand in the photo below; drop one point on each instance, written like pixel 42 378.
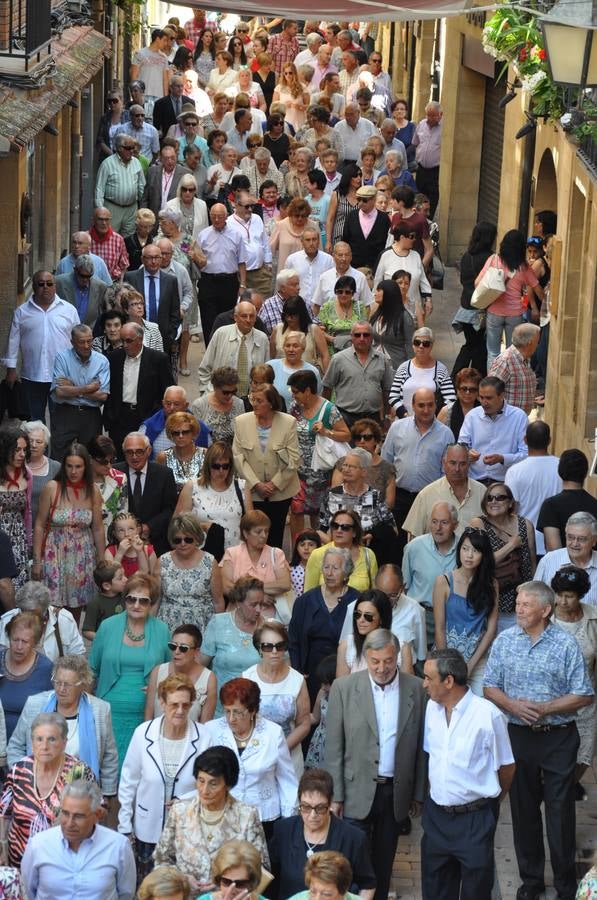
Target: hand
pixel 492 459
pixel 415 810
pixel 473 456
pixel 11 376
pixel 515 542
pixel 65 382
pixel 337 808
pixel 318 427
pixel 92 387
pixel 265 489
pixel 367 538
pixel 136 543
pixel 428 305
pixel 529 712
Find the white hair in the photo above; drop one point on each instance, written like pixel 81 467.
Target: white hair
pixel 284 276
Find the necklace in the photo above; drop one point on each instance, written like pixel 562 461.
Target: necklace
pixel 210 818
pixel 242 742
pixel 311 846
pixel 131 634
pixel 246 638
pixel 56 776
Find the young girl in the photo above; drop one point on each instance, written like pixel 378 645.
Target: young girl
pixel 127 547
pixel 305 543
pixel 326 673
pixel 318 200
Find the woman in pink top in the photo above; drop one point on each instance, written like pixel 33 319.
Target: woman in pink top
pixel 508 310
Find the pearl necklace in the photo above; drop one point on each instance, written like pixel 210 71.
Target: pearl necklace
pixel 242 742
pixel 56 776
pixel 209 818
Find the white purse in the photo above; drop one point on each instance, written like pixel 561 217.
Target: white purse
pixel 491 286
pixel 327 451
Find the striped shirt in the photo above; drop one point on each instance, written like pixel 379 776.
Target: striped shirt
pixel 118 182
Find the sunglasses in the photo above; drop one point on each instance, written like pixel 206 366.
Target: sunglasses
pixel 470 530
pixel 183 540
pixel 184 648
pixel 469 390
pixel 497 498
pixel 281 647
pixel 418 343
pixel 221 467
pixel 240 883
pixel 113 99
pixel 364 437
pixel 133 601
pixel 319 810
pixel 341 526
pixel 344 291
pixel 368 617
pixel 188 190
pixel 45 284
pixel 181 432
pixel 412 236
pixel 361 334
pixel 103 461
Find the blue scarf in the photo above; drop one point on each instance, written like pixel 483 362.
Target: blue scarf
pixel 87 739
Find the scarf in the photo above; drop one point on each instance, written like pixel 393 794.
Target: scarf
pixel 18 471
pixel 77 486
pixel 87 737
pixel 100 238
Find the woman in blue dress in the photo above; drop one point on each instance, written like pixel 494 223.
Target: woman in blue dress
pixel 465 606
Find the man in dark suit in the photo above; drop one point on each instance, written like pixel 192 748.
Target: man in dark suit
pixel 160 291
pixel 366 229
pixel 152 490
pixel 161 181
pixel 167 108
pixel 82 290
pixel 374 750
pixel 138 378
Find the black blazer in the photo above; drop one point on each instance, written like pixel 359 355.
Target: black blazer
pixel 169 303
pixel 366 250
pixel 154 377
pixel 164 115
pixel 152 192
pixel 157 502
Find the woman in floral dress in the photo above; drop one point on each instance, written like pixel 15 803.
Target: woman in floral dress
pixel 16 483
pixel 110 482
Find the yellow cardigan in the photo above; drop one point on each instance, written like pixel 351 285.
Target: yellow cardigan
pixel 362 576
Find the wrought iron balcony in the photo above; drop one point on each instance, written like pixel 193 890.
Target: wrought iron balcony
pixel 25 33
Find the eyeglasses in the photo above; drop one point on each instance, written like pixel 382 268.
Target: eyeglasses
pixel 419 343
pixel 341 526
pixel 131 600
pixel 181 432
pixel 187 539
pixel 221 467
pixel 123 147
pixel 235 713
pixel 136 452
pixel 45 284
pixel 497 498
pixel 130 341
pixel 344 291
pixel 368 617
pixel 184 648
pixel 105 218
pixel 468 390
pixel 280 647
pixel 252 146
pixel 318 810
pixel 240 883
pixel 64 685
pixel 228 392
pixel 364 437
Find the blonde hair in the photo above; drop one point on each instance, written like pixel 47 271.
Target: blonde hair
pixel 176 683
pixel 297 336
pixel 164 882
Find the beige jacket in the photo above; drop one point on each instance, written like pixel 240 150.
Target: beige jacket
pixel 280 461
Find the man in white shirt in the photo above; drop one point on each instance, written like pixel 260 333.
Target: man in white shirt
pixel 471 767
pixel 581 531
pixel 259 254
pixel 240 346
pixel 354 132
pixel 309 57
pixel 342 256
pixel 310 263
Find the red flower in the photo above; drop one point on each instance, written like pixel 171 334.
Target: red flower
pixel 542 55
pixel 522 55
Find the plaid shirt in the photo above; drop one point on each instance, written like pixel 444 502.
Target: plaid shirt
pixel 282 51
pixel 193 29
pixel 271 312
pixel 520 380
pixel 113 252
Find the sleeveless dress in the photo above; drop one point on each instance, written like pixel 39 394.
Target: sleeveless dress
pixel 200 687
pixel 184 471
pixel 130 564
pixel 222 507
pixel 464 626
pixel 186 593
pixel 13 505
pixel 343 208
pixel 69 557
pixel 127 697
pixel 316 753
pixel 278 704
pixel 507 598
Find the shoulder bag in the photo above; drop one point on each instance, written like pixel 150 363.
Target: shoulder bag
pixel 492 285
pixel 327 451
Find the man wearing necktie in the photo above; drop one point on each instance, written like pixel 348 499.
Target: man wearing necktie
pixel 167 108
pixel 160 291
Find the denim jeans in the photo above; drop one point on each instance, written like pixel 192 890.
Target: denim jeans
pixel 495 326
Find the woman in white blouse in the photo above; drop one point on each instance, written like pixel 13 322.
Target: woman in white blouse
pixel 223 77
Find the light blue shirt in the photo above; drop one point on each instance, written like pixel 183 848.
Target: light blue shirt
pixel 422 562
pixel 555 559
pixel 69 364
pixel 283 374
pixel 541 670
pixel 416 457
pixel 100 269
pixel 503 433
pixel 102 869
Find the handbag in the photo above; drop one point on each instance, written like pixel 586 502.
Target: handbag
pixel 437 272
pixel 508 572
pixel 327 451
pixel 491 286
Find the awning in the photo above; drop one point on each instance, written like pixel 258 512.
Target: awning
pixel 79 53
pixel 342 10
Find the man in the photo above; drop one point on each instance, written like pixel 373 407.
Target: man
pixel 152 490
pixel 108 244
pixel 170 266
pixel 309 56
pixel 461 811
pixel 160 291
pixel 581 531
pixel 349 73
pixel 388 131
pixel 174 400
pixel 119 185
pixel 197 24
pixel 81 243
pixel 536 675
pixel 162 180
pixel 309 263
pixel 284 47
pixel 167 109
pixel 406 212
pixel 8 571
pixel 237 136
pixel 330 88
pixel 415 446
pixel 142 132
pixel 249 226
pixel 494 433
pixel 454 487
pixel 79 859
pixel 80 386
pixel 363 98
pixel 287 285
pixel 41 328
pixel 150 65
pixel 374 750
pixel 225 272
pixel 380 78
pixel 513 366
pixel 361 377
pixel 354 132
pixel 366 229
pixel 535 478
pixel 322 68
pixel 192 163
pixel 138 378
pixel 427 139
pixel 346 39
pixel 342 256
pixel 80 288
pixel 555 511
pixel 227 317
pixel 240 346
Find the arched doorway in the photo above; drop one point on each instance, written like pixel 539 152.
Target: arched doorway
pixel 546 190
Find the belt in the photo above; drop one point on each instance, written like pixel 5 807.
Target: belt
pixel 466 807
pixel 427 168
pixel 80 407
pixel 545 729
pixel 220 275
pixel 384 779
pixel 121 205
pixel 130 405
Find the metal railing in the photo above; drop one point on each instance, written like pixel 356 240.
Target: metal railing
pixel 25 28
pixel 588 153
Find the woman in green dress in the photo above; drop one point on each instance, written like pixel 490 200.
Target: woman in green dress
pixel 125 650
pixel 337 316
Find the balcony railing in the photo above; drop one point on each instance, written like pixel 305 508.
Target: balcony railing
pixel 588 153
pixel 25 32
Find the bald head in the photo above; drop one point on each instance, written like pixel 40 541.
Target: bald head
pixel 244 316
pixel 218 215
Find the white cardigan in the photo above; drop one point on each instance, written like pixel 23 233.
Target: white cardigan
pixel 267 779
pixel 200 217
pixel 142 782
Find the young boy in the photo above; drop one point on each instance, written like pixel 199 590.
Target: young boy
pixel 110 580
pixel 329 161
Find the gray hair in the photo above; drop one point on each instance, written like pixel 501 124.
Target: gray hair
pixel 171 215
pixel 138 329
pixel 394 154
pixel 433 104
pixel 37 425
pixel 586 519
pixel 76 664
pixel 83 790
pixel 262 153
pixel 312 37
pixel 451 509
pixel 344 555
pixel 525 334
pixel 540 591
pixel 297 336
pixel 306 71
pixel 84 263
pixel 284 276
pixel 50 718
pixel 227 147
pixel 379 639
pixel 450 661
pixel 120 139
pixel 423 332
pixel 80 330
pixel 304 151
pixel 138 434
pixel 365 458
pixel 386 123
pixel 33 596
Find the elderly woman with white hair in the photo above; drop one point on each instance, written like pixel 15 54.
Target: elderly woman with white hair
pixel 60 634
pixel 294 344
pixel 42 468
pixel 220 175
pixel 297 179
pixel 192 209
pixel 144 225
pixel 422 371
pixel 396 169
pixel 262 168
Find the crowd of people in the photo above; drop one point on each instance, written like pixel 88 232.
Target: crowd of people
pixel 247 636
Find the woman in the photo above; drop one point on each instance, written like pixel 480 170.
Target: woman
pixel 512 539
pixel 570 585
pixel 422 371
pixel 347 534
pixel 223 77
pixel 405 128
pixel 328 875
pixel 219 407
pixel 260 170
pixel 137 92
pixel 342 202
pixel 392 329
pixel 236 49
pixel 467 397
pixel 465 609
pixel 294 344
pixel 318 119
pixel 372 610
pixel 522 290
pixel 337 316
pixel 133 305
pixel 60 633
pixel 90 736
pixel 266 455
pixel 236 872
pixel 126 648
pixel 110 482
pixel 16 486
pixel 276 140
pixel 467 319
pixel 42 469
pixel 109 325
pixel 184 459
pixel 295 318
pixel 292 94
pixel 267 780
pixel 30 801
pixel 316 829
pixel 287 235
pixel 185 647
pixel 220 175
pixel 265 77
pixel 204 57
pixel 395 170
pixel 297 180
pixel 254 143
pixel 109 124
pixel 142 235
pixel 197 828
pixel 284 695
pixel 192 210
pixel 69 533
pixel 187 132
pixel 216 136
pixel 381 474
pixel 252 89
pixel 318 615
pixel 402 256
pixel 190 578
pixel 24 670
pixel 158 768
pixel 217 499
pixel 165 883
pixel 369 174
